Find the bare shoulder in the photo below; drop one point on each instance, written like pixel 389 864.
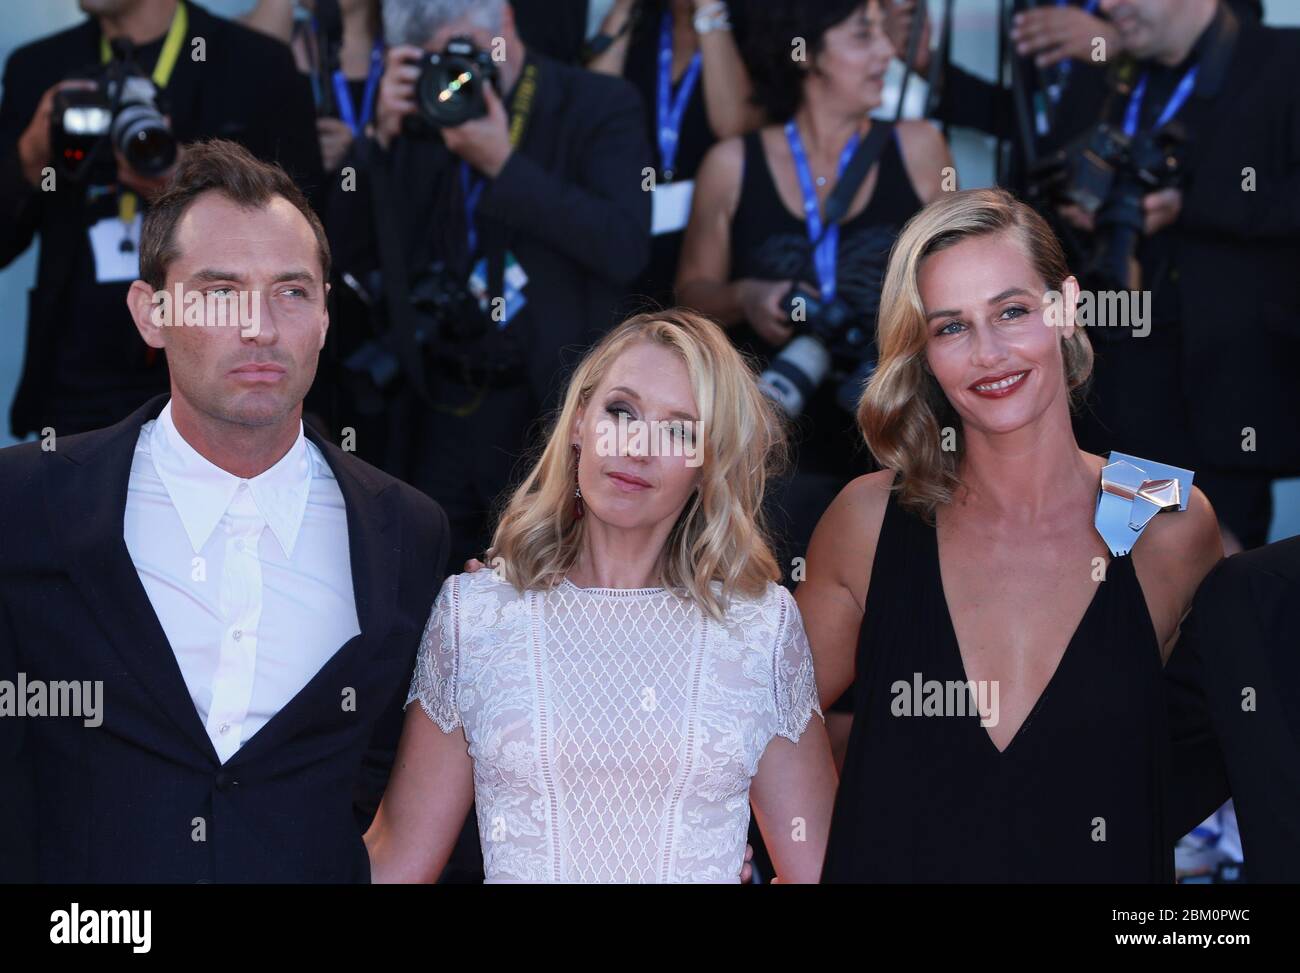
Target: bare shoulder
pixel 844 543
pixel 1181 543
pixel 925 154
pixel 1171 559
pixel 717 183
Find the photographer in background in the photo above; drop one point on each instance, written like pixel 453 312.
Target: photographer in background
pixel 1214 386
pixel 683 57
pixel 85 366
pixel 498 219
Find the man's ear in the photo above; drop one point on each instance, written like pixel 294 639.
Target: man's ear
pixel 325 318
pixel 150 315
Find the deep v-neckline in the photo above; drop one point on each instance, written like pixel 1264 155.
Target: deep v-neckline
pixel 960 659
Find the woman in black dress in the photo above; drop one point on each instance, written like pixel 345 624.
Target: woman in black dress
pixel 1009 718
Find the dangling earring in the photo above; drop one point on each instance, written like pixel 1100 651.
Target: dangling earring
pixel 577 487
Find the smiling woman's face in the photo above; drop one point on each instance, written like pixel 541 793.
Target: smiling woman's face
pixel 632 481
pixel 990 344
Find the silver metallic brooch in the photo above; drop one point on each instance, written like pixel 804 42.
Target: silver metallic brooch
pixel 1133 491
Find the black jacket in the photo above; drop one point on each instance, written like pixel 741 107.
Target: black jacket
pixel 1235 254
pixel 247 89
pixel 1234 686
pixel 119 803
pixel 569 205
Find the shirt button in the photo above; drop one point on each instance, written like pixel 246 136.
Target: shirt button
pixel 237 634
pixel 224 728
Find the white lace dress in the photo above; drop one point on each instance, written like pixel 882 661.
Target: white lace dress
pixel 614 732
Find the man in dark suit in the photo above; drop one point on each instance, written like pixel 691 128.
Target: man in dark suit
pixel 1235 708
pixel 244 597
pixel 1211 382
pixel 83 367
pixel 536 212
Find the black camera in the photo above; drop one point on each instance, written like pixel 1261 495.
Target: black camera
pixel 453 315
pixel 833 341
pixel 1107 173
pixel 122 112
pixel 449 91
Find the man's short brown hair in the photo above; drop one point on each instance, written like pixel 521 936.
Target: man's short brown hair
pixel 230 169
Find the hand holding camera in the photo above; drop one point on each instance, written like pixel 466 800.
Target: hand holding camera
pixel 34 147
pixel 453 91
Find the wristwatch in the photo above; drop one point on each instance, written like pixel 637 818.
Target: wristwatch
pixel 715 16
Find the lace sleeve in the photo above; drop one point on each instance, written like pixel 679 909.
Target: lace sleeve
pixel 796 689
pixel 437 663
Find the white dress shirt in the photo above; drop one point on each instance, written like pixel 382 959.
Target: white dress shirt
pixel 251 613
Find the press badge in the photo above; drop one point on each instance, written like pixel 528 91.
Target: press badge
pixel 116 246
pixel 672 206
pixel 515 280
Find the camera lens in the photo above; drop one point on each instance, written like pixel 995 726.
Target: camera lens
pixel 141 135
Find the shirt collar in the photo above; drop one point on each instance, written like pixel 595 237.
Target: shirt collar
pixel 201 491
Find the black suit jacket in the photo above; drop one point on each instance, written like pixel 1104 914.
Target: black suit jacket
pixel 247 90
pixel 122 802
pixel 1234 689
pixel 568 204
pixel 1236 254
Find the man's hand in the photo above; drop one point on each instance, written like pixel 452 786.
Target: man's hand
pixel 396 91
pixel 1054 34
pixel 483 142
pixel 1161 209
pixel 1078 217
pixel 34 144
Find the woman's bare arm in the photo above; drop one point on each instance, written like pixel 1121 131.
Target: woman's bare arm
pixel 837 573
pixel 793 794
pixel 424 808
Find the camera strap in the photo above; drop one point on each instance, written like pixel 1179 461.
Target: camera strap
pixel 521 114
pixel 856 160
pixel 162 74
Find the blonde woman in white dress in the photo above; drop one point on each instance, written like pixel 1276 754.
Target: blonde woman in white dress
pixel 629 677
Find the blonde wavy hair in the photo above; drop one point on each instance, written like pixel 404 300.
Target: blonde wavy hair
pixel 720 535
pixel 903 410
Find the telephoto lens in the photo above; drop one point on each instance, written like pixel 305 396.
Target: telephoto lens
pixel 140 132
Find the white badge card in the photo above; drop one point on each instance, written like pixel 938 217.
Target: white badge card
pixel 112 261
pixel 672 206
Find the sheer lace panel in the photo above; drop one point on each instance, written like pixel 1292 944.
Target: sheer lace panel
pixel 614 733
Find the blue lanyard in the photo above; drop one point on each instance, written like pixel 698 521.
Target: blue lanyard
pixel 1180 96
pixel 825 243
pixel 344 97
pixel 671 110
pixel 1065 67
pixel 473 186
